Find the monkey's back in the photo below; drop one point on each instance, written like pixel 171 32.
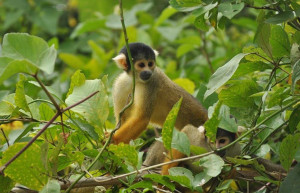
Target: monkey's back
pixel 191 111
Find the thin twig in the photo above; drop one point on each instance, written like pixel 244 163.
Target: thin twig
pixel 4 136
pixel 47 92
pixel 205 52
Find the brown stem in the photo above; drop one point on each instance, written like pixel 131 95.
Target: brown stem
pixel 205 53
pixel 4 136
pixel 47 93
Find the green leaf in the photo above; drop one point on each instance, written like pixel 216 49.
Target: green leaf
pixel 161 179
pixel 20 98
pixel 9 67
pixel 212 165
pixel 166 13
pixel 238 95
pixel 183 49
pixel 200 180
pixel 296 74
pixel 230 10
pixel 196 150
pixel 279 42
pixel 291 182
pixel 170 33
pixel 28 168
pixel 72 60
pixel 249 67
pixel 7 106
pixel 46 112
pixel 204 9
pixel 227 122
pixel 288 149
pixel 182 176
pixel 181 142
pixel 142 184
pixel 294 119
pixel 126 152
pixel 262 37
pixel 167 131
pixel 52 186
pixel 29 49
pixel 186 5
pixel 87 128
pixel 253 57
pixel 281 17
pixel 200 23
pixel 212 124
pixel 77 79
pixel 223 74
pixel 6 184
pixel 210 100
pixel 186 84
pixel 95 110
pixel 87 26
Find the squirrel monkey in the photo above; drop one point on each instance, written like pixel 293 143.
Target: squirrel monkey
pixel 155 95
pixel 197 137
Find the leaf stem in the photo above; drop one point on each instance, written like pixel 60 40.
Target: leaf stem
pixel 47 92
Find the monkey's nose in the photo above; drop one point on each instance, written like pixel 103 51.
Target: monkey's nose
pixel 145 75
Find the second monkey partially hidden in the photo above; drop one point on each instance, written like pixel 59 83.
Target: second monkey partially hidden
pixel 155 95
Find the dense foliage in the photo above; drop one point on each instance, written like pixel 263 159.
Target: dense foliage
pixel 239 58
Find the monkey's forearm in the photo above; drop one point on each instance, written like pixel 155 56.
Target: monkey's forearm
pixel 131 129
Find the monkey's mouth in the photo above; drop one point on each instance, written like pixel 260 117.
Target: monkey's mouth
pixel 145 75
pixel 221 153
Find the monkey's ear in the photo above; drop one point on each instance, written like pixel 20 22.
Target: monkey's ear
pixel 241 129
pixel 156 53
pixel 121 61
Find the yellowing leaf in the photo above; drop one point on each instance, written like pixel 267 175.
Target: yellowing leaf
pixel 187 84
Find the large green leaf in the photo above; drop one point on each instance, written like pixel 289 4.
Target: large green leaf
pixel 223 74
pixel 181 142
pixel 279 42
pixel 281 17
pixel 238 95
pixel 28 168
pixel 294 119
pixel 29 49
pixel 288 149
pixel 9 67
pixel 291 182
pixel 229 10
pixel 167 131
pixel 181 175
pixel 95 110
pixel 6 184
pixel 212 165
pixel 126 152
pixel 262 37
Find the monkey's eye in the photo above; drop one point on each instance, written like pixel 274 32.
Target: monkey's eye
pixel 150 64
pixel 142 65
pixel 222 141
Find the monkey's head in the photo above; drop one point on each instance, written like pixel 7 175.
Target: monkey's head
pixel 224 138
pixel 143 58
